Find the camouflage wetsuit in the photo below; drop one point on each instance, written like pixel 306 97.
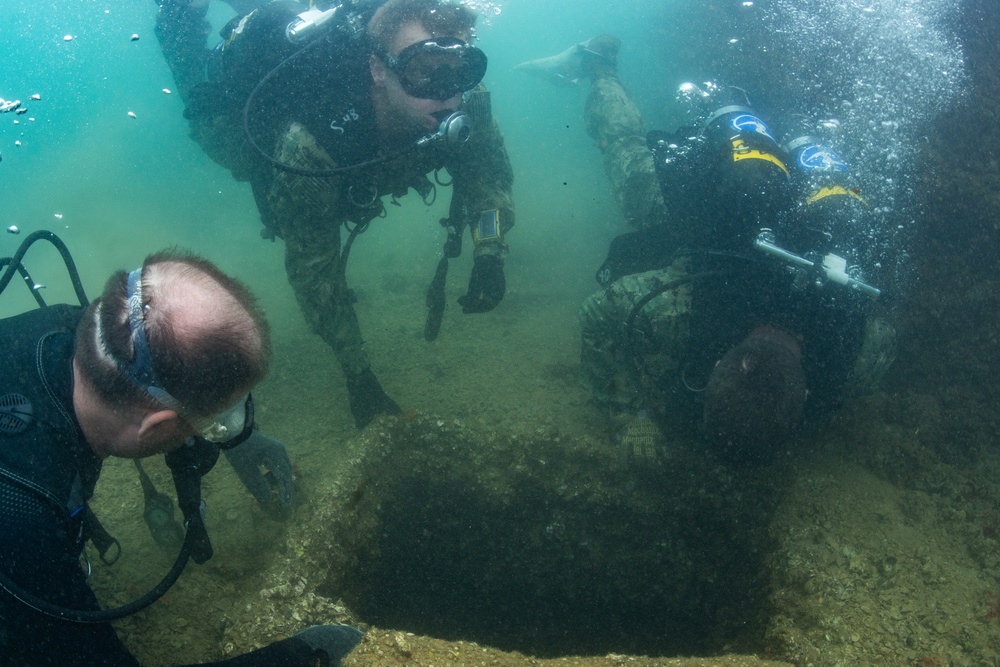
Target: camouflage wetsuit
pixel 317 114
pixel 651 338
pixel 613 121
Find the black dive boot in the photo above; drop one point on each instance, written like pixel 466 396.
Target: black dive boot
pixel 367 398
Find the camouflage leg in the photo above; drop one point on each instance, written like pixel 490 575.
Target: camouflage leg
pixel 614 122
pixel 640 442
pixel 603 367
pixel 658 337
pixel 315 271
pixel 303 210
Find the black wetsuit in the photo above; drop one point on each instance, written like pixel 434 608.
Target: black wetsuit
pixel 47 473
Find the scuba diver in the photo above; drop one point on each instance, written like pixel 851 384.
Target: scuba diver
pixel 163 362
pixel 744 304
pixel 325 112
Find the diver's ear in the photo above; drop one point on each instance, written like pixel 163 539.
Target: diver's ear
pixel 161 428
pixel 377 68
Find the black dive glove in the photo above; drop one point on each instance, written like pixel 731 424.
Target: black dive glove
pixel 487 285
pixel 272 486
pixel 367 398
pixel 332 641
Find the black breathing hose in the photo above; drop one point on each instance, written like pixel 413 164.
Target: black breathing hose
pixel 196 536
pixel 13 265
pixel 103 615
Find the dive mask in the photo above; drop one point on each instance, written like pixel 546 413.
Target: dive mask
pixel 438 68
pixel 227 428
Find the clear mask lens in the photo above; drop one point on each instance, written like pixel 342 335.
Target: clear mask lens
pixel 229 427
pixel 234 418
pixel 438 69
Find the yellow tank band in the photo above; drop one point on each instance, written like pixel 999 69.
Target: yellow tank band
pixel 836 190
pixel 741 152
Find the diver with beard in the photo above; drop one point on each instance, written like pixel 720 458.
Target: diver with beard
pixel 325 113
pixel 732 311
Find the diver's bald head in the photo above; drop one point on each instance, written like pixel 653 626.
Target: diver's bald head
pixel 208 339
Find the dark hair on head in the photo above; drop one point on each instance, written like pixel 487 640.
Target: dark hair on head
pixel 100 371
pixel 203 352
pixel 441 18
pixel 754 399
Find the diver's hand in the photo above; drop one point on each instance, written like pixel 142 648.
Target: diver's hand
pixel 487 285
pixel 262 465
pixel 335 641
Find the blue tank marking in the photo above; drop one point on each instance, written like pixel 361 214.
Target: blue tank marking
pixel 817 158
pixel 746 122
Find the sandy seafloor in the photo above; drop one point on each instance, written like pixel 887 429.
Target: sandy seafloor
pixel 516 374
pixel 886 546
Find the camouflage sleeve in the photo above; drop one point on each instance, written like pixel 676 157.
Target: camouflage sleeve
pixel 483 179
pixel 307 212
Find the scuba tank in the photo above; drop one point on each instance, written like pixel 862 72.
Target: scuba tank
pixel 254 45
pixel 828 197
pixel 722 178
pixel 752 181
pixel 726 174
pixel 831 217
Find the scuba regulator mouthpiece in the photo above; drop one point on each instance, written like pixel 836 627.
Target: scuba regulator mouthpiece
pixel 456 128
